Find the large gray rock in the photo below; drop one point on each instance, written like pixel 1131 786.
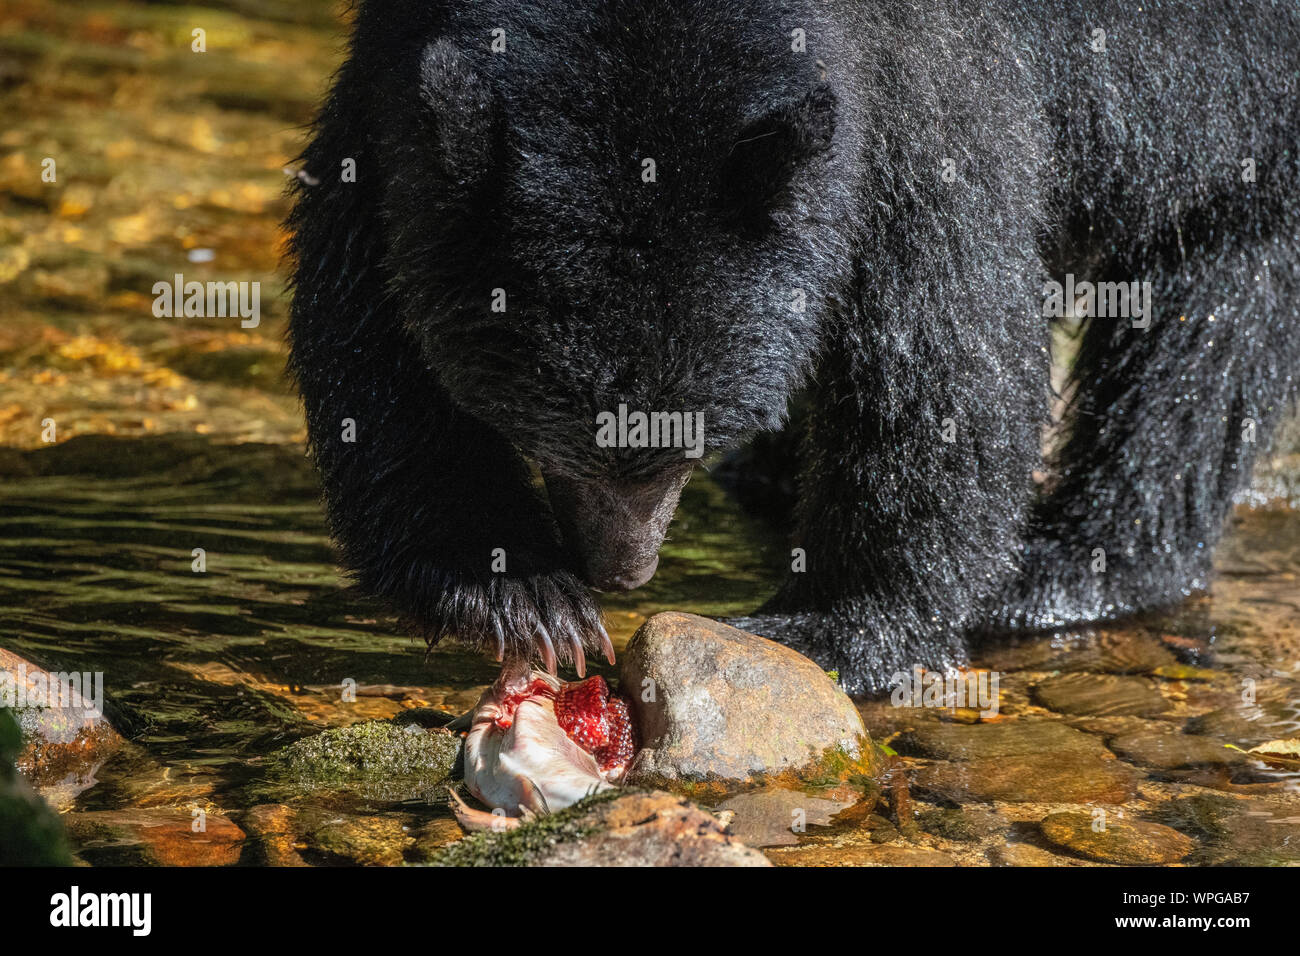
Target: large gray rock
pixel 713 704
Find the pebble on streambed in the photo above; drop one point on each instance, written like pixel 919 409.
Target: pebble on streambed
pixel 1131 842
pixel 1017 761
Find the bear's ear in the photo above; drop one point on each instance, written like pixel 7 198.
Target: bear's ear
pixel 770 148
pixel 462 120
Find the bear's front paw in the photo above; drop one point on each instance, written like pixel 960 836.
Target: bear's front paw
pixel 867 654
pixel 549 617
pixel 784 629
pixel 1064 586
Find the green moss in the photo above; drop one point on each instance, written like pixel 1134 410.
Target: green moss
pixel 524 844
pixel 30 832
pixel 399 759
pixel 834 767
pixel 838 765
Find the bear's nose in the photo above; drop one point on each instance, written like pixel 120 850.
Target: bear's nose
pixel 612 531
pixel 625 580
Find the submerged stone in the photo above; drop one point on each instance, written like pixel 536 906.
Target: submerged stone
pixel 1174 751
pixel 1129 842
pixel 775 816
pixel 1066 778
pixel 860 855
pixel 272 827
pixel 1011 738
pixel 1018 761
pixel 965 825
pixel 363 840
pixel 1100 695
pixel 1235 831
pixel 1120 651
pixel 1246 725
pixel 433 836
pixel 1025 854
pixel 155 836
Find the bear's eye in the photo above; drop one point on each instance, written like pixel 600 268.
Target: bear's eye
pixel 757 170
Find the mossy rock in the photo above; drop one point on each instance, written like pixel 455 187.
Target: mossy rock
pixel 631 827
pixel 388 761
pixel 524 844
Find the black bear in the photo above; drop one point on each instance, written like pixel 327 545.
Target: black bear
pixel 517 218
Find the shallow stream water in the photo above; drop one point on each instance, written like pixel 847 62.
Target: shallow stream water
pixel 209 672
pixel 173 435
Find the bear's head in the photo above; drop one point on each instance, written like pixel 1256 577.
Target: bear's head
pixel 598 208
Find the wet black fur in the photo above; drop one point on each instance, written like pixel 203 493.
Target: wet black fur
pixel 818 171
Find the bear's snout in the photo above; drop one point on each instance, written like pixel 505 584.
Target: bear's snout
pixel 613 578
pixel 613 530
